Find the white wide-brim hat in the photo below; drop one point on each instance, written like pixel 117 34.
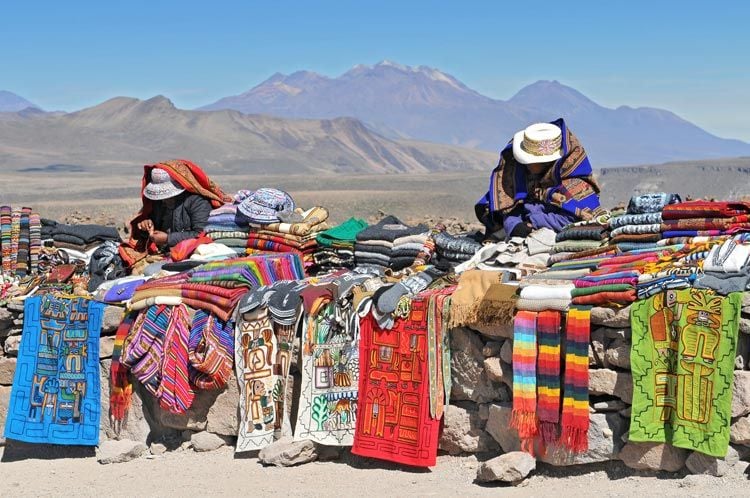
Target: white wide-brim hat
pixel 162 186
pixel 539 143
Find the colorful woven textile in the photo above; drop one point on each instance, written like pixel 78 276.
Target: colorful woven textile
pixel 55 397
pixel 211 351
pixel 481 297
pixel 548 375
pixel 262 359
pixel 120 387
pixel 330 377
pixel 524 417
pixel 6 221
pixel 705 209
pixel 682 360
pixel 393 415
pixel 175 392
pixel 575 412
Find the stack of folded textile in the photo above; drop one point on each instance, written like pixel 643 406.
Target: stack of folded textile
pixel 35 241
pixel 217 287
pixel 640 227
pixel 298 234
pixel 581 236
pixel 544 295
pixel 5 229
pixel 24 243
pixel 705 218
pixel 20 243
pixel 336 245
pixel 726 268
pixel 390 244
pixel 222 227
pixel 82 237
pixel 455 249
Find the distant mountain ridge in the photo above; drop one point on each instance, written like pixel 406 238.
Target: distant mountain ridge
pixel 10 102
pixel 427 104
pixel 124 132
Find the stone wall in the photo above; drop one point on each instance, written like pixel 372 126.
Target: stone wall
pixel 477 421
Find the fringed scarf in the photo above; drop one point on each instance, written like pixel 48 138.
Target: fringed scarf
pixel 575 414
pixel 524 416
pixel 175 392
pixel 193 179
pixel 536 380
pixel 482 298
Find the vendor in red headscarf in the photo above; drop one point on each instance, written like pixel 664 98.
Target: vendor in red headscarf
pixel 177 199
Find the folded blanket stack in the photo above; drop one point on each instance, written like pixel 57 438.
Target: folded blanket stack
pixel 336 245
pixel 298 236
pixel 582 236
pixel 705 218
pixel 455 249
pixel 223 228
pixel 390 244
pixel 20 240
pixel 82 237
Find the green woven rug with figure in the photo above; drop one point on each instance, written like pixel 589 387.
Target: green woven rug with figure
pixel 682 360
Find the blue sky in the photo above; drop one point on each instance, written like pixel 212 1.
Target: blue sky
pixel 689 57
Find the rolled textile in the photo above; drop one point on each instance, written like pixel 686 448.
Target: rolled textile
pixel 607 297
pixel 652 202
pixel 547 292
pixel 586 232
pixel 601 288
pixel 637 229
pixel 635 219
pixel 523 304
pixel 705 209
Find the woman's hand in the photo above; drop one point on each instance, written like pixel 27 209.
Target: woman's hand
pixel 158 238
pixel 146 226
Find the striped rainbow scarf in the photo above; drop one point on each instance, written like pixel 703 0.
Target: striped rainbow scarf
pixel 539 375
pixel 575 414
pixel 120 387
pixel 524 418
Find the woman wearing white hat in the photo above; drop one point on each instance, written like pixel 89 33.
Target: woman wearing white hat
pixel 543 179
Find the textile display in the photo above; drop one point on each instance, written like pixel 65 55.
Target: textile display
pixel 481 297
pixel 393 415
pixel 55 397
pixel 682 360
pixel 330 377
pixel 262 359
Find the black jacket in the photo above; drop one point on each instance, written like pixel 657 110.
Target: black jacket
pixel 185 221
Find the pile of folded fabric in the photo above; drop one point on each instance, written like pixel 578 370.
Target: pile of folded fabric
pixel 297 234
pixel 81 237
pixel 581 236
pixel 640 226
pixel 390 244
pixel 517 257
pixel 222 227
pixel 336 245
pixel 454 249
pixel 20 240
pixel 726 267
pixel 705 218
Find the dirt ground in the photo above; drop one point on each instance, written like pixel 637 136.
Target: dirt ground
pixel 219 473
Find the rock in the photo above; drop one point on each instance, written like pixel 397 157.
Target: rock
pixel 205 441
pixel 745 325
pixel 511 467
pixel 196 418
pixel 504 331
pixel 470 381
pixel 136 426
pixel 609 317
pixel 498 426
pixel 611 382
pixel 506 353
pixel 119 451
pixel 596 348
pixel 492 348
pixel 483 412
pixel 605 440
pixel 329 453
pixel 742 356
pixel 7 369
pixel 157 448
pixel 12 344
pixel 732 456
pixel 112 318
pixel 223 416
pixel 612 405
pixel 741 393
pixel 699 463
pixel 286 452
pixel 507 375
pixel 617 354
pixel 494 369
pixel 106 346
pixel 739 431
pixel 612 334
pixel 463 432
pixel 626 412
pixel 653 456
pixel 6 321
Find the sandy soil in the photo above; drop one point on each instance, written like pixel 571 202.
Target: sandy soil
pixel 219 473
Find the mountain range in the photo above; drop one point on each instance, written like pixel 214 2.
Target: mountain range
pixel 125 132
pixel 427 104
pixel 10 102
